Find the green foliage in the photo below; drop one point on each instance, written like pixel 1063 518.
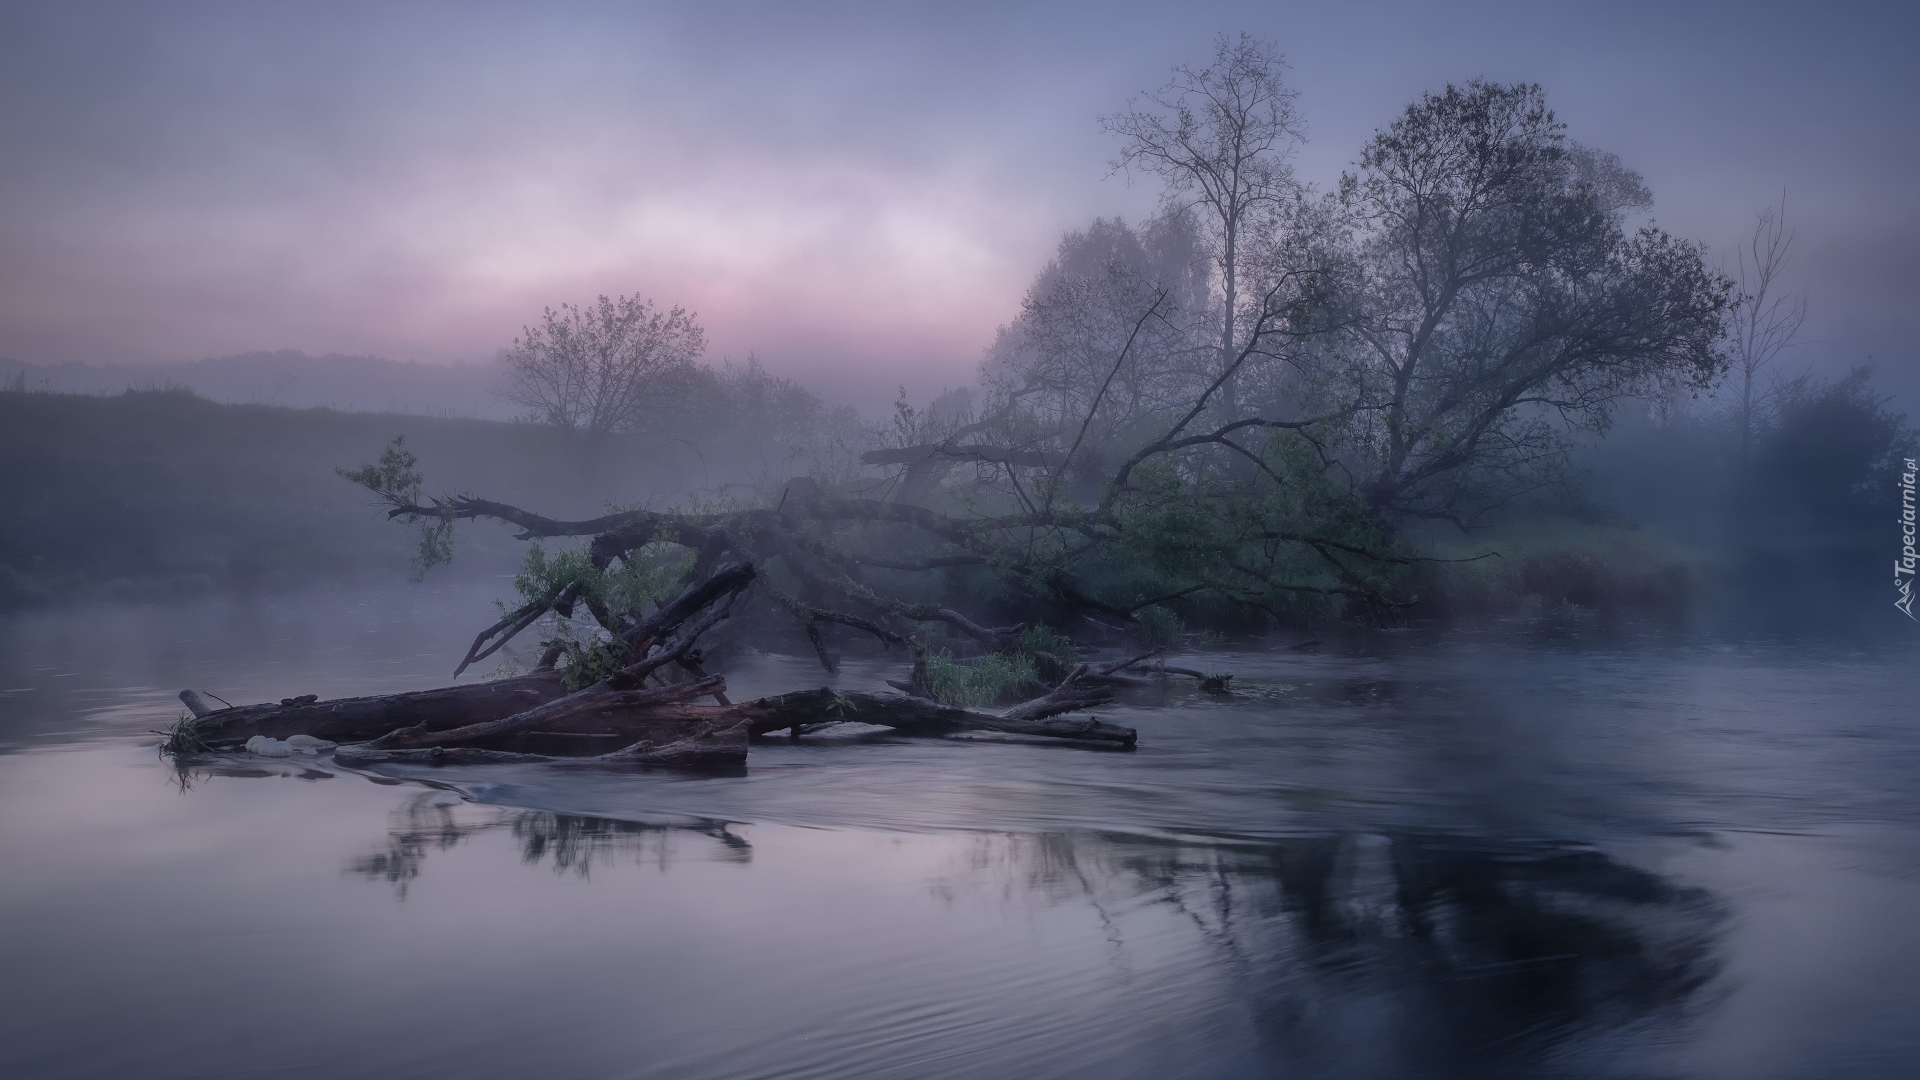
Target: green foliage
pixel 986 680
pixel 1159 625
pixel 587 662
pixel 544 576
pixel 395 477
pixel 183 737
pixel 1294 541
pixel 611 598
pixel 627 589
pixel 435 547
pixel 1041 638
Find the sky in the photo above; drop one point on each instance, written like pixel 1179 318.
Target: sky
pixel 858 194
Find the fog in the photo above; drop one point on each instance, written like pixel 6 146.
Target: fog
pixel 859 193
pixel 737 540
pixel 289 379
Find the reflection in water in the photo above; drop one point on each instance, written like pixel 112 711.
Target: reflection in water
pixel 571 843
pixel 1401 857
pixel 1408 954
pixel 1364 954
pixel 188 773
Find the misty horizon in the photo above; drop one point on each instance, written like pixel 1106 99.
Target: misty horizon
pixel 959 542
pixel 867 207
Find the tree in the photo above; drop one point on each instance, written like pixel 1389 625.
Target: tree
pixel 1764 322
pixel 1220 137
pixel 1080 354
pixel 1831 453
pixel 1499 300
pixel 1471 282
pixel 598 370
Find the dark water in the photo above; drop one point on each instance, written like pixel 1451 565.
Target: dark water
pixel 1550 851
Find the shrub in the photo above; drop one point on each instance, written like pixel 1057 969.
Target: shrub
pixel 1159 625
pixel 988 680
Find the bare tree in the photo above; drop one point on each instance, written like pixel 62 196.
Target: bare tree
pixel 597 370
pixel 1220 137
pixel 1764 321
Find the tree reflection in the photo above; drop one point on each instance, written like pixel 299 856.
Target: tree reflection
pixel 1400 954
pixel 435 821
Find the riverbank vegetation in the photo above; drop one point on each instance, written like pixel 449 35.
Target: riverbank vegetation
pixel 1250 409
pixel 1453 384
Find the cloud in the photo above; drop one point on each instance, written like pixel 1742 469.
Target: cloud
pixel 846 187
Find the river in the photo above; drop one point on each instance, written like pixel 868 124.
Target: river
pixel 1548 849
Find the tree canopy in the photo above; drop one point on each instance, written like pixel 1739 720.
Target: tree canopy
pixel 600 369
pixel 1239 402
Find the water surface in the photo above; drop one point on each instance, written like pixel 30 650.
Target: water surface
pixel 1546 850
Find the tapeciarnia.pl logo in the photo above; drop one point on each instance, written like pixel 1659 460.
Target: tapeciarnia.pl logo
pixel 1904 565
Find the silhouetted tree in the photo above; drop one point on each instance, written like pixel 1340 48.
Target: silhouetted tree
pixel 1764 321
pixel 598 370
pixel 1828 459
pixel 1470 291
pixel 1221 137
pixel 1497 292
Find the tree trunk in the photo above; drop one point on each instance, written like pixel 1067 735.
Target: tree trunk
pixel 679 743
pixel 358 718
pixel 591 711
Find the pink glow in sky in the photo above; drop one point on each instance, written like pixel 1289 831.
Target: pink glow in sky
pixel 857 194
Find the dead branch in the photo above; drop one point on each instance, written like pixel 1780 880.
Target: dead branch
pixel 1070 695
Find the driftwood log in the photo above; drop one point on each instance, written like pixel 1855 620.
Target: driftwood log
pixel 657 726
pixel 648 712
pixel 683 743
pixel 359 718
pixel 660 727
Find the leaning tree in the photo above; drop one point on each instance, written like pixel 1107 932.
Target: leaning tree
pixel 1419 341
pixel 1472 284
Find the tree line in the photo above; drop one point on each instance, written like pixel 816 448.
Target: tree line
pixel 1257 399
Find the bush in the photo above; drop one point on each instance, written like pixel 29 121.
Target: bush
pixel 1159 625
pixel 987 680
pixel 1565 566
pixel 1041 638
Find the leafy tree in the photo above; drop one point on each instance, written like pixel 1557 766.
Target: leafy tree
pixel 1419 342
pixel 1827 460
pixel 601 369
pixel 1108 340
pixel 1498 292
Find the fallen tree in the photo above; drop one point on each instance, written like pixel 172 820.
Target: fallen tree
pixel 1255 440
pixel 358 718
pixel 648 707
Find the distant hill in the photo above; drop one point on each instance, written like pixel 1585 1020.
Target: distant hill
pixel 290 379
pixel 159 491
pixel 156 489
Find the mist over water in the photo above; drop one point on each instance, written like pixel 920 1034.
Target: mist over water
pixel 1544 364
pixel 1549 848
